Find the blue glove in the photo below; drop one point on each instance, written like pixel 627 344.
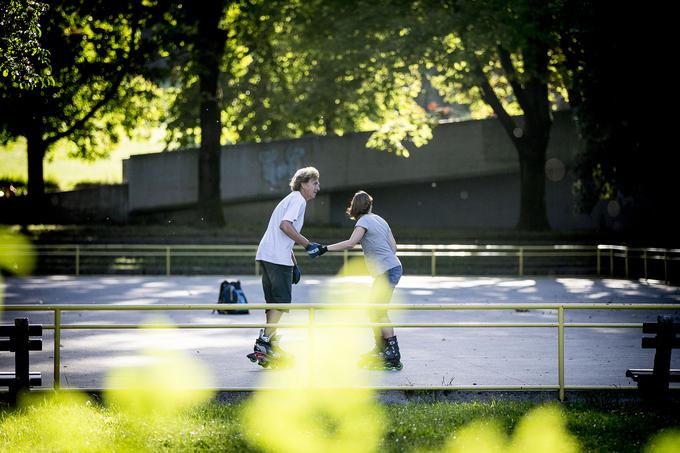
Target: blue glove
pixel 296 274
pixel 315 249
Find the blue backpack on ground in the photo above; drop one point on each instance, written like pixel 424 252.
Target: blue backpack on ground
pixel 231 293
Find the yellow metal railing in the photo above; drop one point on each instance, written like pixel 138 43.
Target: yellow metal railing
pixel 560 325
pixel 523 254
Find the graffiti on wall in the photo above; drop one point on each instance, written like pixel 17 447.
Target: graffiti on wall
pixel 279 163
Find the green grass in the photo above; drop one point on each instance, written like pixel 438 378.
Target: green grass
pixel 67 172
pixel 410 427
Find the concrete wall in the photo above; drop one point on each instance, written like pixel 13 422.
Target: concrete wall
pixel 101 204
pixel 458 150
pixel 467 177
pixel 162 179
pixel 105 204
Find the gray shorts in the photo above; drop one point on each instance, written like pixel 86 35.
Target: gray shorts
pixel 277 283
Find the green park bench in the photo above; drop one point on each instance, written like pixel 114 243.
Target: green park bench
pixel 17 339
pixel 656 381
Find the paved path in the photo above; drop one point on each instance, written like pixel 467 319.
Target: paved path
pixel 432 356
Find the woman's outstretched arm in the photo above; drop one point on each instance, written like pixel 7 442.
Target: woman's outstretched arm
pixel 353 240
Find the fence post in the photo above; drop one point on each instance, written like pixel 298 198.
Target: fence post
pixel 57 348
pixel 644 257
pixel 434 262
pixel 345 259
pixel 257 268
pixel 560 350
pixel 167 261
pixel 521 261
pixel 665 267
pixel 77 260
pixel 625 257
pixel 21 348
pixel 611 262
pixel 599 265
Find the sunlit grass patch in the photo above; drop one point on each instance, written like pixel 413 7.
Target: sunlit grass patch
pixel 68 171
pixel 148 406
pixel 73 422
pixel 57 422
pixel 417 427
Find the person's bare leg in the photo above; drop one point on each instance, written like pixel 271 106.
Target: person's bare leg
pixel 273 317
pixel 387 332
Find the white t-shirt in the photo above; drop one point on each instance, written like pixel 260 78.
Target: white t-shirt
pixel 276 247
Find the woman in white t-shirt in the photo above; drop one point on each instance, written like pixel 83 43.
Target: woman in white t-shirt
pixel 380 253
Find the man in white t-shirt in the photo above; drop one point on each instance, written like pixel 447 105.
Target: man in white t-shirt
pixel 277 261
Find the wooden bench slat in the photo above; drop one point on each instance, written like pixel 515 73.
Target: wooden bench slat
pixel 33 345
pixel 647 373
pixel 34 330
pixel 653 343
pixel 653 327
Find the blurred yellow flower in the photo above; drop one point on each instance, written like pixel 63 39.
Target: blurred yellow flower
pixel 544 429
pixel 321 404
pixel 665 442
pixel 16 252
pixel 478 437
pixel 310 420
pixel 541 430
pixel 16 255
pixel 165 384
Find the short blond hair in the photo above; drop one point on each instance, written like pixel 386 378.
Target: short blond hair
pixel 303 175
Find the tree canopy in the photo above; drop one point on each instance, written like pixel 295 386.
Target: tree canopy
pixel 611 71
pixel 96 51
pixel 24 63
pixel 253 70
pixel 496 55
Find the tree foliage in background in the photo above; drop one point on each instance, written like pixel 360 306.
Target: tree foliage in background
pixel 194 39
pixel 204 45
pixel 288 71
pixel 517 60
pixel 255 70
pixel 23 62
pixel 503 52
pixel 497 55
pixel 612 70
pixel 97 50
pixel 321 73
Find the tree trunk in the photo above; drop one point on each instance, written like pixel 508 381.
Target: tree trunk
pixel 533 214
pixel 35 150
pixel 531 139
pixel 210 48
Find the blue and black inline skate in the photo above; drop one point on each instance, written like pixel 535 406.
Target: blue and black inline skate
pixel 384 356
pixel 268 354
